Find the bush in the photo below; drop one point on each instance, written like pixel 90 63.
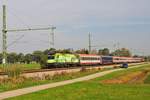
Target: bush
pixel 43 61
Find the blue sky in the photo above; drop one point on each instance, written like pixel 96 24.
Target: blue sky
pixel 110 22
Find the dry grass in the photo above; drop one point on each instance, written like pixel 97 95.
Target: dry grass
pixel 13 70
pixel 134 77
pixel 12 83
pixel 13 80
pixel 116 67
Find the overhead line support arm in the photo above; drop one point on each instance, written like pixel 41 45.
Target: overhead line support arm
pixel 30 29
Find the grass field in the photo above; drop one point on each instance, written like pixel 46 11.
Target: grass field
pixel 95 90
pixel 26 66
pixel 147 80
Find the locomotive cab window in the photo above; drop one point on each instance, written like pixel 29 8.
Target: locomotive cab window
pixel 51 57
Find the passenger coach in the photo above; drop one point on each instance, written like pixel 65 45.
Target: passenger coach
pixel 88 59
pixel 118 60
pixel 107 60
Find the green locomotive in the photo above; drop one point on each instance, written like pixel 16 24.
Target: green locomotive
pixel 60 59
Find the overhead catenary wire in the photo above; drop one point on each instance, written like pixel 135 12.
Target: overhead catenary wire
pixel 26 29
pixel 18 18
pixel 12 43
pixel 22 22
pixel 5 30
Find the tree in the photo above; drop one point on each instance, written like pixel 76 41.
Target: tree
pixel 136 56
pixel 100 52
pixel 147 58
pixel 12 58
pixel 104 51
pixel 47 51
pixel 1 57
pixel 37 56
pixel 64 51
pixel 21 58
pixel 122 52
pixel 28 58
pixel 43 61
pixel 41 57
pixel 82 51
pixel 94 51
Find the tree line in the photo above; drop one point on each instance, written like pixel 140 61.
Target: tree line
pixel 41 56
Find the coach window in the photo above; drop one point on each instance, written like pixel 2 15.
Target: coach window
pixel 93 58
pixel 116 58
pixel 83 58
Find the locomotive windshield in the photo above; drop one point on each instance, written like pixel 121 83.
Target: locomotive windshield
pixel 51 57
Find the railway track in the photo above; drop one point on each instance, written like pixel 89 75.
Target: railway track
pixel 40 70
pixel 37 72
pixel 57 69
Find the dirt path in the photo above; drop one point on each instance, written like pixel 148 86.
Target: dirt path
pixel 23 91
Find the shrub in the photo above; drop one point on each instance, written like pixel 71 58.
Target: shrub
pixel 99 68
pixel 43 61
pixel 47 77
pixel 116 67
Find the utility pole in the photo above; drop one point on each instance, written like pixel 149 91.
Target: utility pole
pixel 90 43
pixel 4 36
pixel 53 37
pixel 118 45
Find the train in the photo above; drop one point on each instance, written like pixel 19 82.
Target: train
pixel 67 60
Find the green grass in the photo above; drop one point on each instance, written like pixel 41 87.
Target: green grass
pixel 26 66
pixel 94 90
pixel 91 91
pixel 147 80
pixel 31 66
